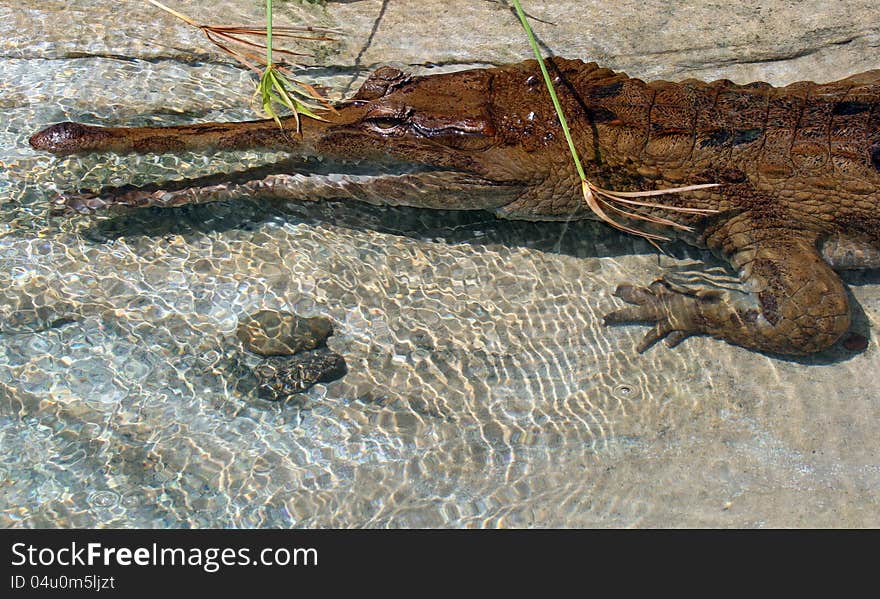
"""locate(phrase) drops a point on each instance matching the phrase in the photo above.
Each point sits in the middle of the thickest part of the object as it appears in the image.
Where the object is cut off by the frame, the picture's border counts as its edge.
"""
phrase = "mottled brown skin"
(798, 168)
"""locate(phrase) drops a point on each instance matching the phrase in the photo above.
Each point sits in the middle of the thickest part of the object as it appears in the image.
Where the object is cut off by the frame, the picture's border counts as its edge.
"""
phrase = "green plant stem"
(269, 33)
(549, 82)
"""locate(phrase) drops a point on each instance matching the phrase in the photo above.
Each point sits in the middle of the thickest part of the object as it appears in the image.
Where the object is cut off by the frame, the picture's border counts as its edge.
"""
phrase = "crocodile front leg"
(793, 302)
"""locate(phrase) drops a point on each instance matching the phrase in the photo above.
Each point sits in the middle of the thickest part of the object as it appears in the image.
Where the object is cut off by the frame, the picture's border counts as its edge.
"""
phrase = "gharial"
(797, 168)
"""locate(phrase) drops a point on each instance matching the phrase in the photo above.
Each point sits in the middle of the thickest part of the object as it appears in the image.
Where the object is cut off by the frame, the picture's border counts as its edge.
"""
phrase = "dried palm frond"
(596, 197)
(277, 83)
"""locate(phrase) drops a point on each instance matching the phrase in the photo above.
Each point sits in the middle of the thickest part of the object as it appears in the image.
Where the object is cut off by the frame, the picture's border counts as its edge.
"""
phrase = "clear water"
(482, 388)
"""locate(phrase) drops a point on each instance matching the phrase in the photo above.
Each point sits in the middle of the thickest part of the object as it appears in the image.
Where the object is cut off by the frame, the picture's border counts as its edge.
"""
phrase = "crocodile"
(796, 174)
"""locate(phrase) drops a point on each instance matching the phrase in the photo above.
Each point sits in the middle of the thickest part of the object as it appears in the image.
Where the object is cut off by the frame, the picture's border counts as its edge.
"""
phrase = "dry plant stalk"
(596, 198)
(277, 82)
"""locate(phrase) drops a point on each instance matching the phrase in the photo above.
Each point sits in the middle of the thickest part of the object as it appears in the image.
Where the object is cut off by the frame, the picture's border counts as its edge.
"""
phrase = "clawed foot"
(674, 312)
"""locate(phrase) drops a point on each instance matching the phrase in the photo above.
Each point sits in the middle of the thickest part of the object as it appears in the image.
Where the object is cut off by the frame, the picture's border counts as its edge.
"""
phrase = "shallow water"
(482, 388)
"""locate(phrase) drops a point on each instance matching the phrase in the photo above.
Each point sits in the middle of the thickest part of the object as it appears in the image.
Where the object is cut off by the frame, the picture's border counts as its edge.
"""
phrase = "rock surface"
(297, 348)
(282, 378)
(779, 41)
(273, 333)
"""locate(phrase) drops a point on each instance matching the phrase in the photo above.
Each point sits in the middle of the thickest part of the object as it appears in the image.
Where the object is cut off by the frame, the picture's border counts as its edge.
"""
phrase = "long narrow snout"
(74, 138)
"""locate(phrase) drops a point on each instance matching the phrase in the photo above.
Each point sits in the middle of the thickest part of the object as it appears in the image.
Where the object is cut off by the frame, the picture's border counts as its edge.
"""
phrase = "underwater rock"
(272, 333)
(296, 352)
(282, 377)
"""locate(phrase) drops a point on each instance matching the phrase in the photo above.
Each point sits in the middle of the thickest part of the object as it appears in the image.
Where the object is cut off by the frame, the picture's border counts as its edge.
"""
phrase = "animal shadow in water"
(580, 239)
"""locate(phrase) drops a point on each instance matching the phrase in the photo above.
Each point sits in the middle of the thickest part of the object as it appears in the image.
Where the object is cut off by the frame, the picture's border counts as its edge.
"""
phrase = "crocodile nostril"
(875, 155)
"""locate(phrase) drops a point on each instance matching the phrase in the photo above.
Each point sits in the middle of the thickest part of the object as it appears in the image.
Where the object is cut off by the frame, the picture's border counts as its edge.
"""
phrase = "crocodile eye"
(385, 124)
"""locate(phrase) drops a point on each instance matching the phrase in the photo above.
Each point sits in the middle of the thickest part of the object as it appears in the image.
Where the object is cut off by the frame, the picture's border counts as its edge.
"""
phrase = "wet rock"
(273, 333)
(282, 377)
(296, 352)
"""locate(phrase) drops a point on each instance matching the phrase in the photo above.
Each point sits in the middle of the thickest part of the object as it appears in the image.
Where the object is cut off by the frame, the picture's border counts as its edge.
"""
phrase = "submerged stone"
(273, 333)
(296, 353)
(282, 377)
